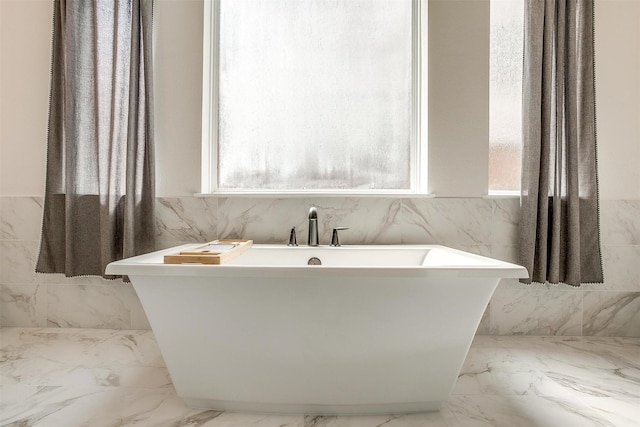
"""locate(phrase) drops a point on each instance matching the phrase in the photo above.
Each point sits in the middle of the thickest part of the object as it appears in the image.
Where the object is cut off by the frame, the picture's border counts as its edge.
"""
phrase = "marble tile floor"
(98, 377)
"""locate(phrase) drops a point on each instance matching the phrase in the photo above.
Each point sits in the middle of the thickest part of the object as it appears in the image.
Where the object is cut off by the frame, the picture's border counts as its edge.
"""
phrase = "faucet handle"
(334, 235)
(293, 241)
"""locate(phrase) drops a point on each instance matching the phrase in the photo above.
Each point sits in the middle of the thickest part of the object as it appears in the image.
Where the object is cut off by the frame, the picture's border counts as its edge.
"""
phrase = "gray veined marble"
(620, 222)
(612, 313)
(23, 305)
(20, 218)
(481, 225)
(530, 311)
(100, 377)
(18, 260)
(622, 268)
(447, 222)
(186, 219)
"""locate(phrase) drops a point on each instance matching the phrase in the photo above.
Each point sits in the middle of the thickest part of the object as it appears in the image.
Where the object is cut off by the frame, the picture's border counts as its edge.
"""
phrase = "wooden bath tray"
(216, 252)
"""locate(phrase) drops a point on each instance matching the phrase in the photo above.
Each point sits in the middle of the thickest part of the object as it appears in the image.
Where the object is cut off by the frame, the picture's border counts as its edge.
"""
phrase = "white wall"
(458, 104)
(25, 46)
(458, 97)
(618, 97)
(458, 107)
(178, 95)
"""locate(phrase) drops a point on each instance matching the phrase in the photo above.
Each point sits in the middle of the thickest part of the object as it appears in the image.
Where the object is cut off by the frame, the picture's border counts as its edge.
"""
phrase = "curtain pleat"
(559, 224)
(100, 185)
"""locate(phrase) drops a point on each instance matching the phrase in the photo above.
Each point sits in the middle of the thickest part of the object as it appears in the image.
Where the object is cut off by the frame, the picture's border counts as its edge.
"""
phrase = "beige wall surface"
(618, 97)
(25, 52)
(458, 101)
(458, 107)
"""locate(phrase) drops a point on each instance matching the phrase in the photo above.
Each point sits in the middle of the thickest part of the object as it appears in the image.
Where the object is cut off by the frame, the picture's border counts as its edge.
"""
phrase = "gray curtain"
(100, 193)
(559, 224)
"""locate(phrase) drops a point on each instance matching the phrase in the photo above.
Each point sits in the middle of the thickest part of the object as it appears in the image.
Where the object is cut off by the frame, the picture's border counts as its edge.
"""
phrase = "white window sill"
(308, 194)
(345, 194)
(502, 195)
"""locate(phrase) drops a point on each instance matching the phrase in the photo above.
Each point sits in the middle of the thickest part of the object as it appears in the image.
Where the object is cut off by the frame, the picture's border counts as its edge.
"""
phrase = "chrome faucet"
(313, 227)
(334, 236)
(293, 241)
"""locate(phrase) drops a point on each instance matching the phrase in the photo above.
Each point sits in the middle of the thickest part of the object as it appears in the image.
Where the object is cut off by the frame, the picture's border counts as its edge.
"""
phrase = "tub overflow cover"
(314, 261)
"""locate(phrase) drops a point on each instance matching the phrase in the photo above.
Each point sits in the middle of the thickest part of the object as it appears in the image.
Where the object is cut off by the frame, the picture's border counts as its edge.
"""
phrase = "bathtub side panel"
(366, 345)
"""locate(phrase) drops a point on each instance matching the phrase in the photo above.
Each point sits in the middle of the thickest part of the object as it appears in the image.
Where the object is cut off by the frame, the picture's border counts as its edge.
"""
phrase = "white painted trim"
(419, 121)
(416, 150)
(210, 65)
(423, 118)
(314, 194)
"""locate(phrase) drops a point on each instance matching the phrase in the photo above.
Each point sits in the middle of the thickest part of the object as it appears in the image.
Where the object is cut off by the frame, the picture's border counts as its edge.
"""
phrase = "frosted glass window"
(505, 95)
(315, 94)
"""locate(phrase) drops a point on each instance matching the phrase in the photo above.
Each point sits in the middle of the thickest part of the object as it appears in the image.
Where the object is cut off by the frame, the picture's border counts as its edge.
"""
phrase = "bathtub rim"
(151, 264)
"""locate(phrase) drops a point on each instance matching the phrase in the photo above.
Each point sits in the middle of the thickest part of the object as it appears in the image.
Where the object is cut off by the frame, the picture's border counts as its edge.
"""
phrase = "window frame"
(210, 98)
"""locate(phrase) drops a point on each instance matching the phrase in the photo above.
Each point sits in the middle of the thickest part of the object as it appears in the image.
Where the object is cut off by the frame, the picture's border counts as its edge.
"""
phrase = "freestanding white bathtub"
(374, 329)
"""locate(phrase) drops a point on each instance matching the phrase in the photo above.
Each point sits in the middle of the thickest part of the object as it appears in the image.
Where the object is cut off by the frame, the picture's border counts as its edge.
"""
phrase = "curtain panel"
(559, 224)
(100, 184)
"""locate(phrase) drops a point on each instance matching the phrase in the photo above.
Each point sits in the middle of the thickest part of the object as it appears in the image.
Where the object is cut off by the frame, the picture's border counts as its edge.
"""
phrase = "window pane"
(505, 99)
(314, 94)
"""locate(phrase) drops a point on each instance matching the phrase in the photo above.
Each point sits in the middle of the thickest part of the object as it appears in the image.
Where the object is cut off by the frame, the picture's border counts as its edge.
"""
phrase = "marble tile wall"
(51, 300)
(484, 226)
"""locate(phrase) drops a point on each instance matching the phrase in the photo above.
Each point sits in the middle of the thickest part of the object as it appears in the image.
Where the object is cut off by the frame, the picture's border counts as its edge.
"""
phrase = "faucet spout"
(313, 227)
